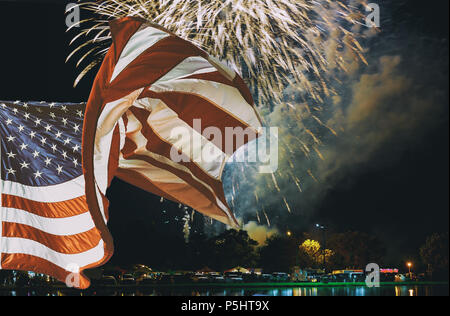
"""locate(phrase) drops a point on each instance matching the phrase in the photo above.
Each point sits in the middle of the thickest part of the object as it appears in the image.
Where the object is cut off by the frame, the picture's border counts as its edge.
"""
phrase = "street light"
(323, 228)
(409, 264)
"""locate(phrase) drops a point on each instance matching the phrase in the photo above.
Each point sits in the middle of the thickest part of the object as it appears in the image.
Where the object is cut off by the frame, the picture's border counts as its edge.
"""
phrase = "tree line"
(279, 253)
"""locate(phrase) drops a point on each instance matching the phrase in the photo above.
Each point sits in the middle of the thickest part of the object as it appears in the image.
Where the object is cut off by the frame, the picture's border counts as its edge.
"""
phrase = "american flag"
(151, 83)
(45, 226)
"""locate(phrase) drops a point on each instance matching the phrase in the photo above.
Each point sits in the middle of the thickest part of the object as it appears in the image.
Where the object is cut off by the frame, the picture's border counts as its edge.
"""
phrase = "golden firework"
(271, 43)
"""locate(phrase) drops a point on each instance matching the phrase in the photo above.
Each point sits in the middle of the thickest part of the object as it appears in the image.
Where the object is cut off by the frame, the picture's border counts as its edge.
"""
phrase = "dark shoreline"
(222, 285)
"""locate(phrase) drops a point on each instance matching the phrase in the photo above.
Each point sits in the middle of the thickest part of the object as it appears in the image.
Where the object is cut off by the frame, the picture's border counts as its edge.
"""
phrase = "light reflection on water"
(300, 291)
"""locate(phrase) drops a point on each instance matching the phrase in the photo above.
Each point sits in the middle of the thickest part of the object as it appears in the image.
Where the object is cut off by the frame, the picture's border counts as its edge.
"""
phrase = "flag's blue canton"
(41, 142)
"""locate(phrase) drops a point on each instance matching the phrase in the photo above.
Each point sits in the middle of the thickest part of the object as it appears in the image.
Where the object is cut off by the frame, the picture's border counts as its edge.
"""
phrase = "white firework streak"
(282, 49)
(271, 43)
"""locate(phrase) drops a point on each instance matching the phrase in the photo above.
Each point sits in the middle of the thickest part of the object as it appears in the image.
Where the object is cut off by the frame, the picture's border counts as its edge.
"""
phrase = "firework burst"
(273, 44)
(291, 53)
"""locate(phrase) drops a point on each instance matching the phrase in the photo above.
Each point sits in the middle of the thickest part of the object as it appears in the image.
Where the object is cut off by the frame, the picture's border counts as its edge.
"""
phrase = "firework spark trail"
(186, 227)
(275, 182)
(312, 175)
(256, 197)
(321, 123)
(257, 217)
(318, 153)
(273, 44)
(282, 48)
(287, 204)
(267, 218)
(297, 182)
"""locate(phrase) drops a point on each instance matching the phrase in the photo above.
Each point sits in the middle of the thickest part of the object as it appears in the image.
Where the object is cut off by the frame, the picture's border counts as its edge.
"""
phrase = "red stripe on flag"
(92, 113)
(63, 244)
(38, 265)
(138, 180)
(189, 194)
(186, 177)
(121, 31)
(63, 209)
(114, 154)
(157, 145)
(190, 107)
(150, 66)
(238, 83)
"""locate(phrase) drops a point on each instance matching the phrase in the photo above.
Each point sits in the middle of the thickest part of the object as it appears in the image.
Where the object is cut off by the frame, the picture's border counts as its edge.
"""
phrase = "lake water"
(419, 290)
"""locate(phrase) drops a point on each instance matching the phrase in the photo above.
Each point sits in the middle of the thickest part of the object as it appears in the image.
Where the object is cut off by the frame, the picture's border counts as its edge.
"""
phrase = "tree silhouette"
(230, 249)
(279, 254)
(434, 253)
(355, 250)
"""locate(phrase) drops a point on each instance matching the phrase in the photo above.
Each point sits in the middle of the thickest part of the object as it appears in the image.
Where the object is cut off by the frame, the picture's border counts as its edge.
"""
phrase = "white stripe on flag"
(51, 194)
(143, 39)
(153, 173)
(168, 126)
(56, 226)
(223, 96)
(100, 203)
(141, 142)
(188, 67)
(150, 172)
(64, 261)
(106, 125)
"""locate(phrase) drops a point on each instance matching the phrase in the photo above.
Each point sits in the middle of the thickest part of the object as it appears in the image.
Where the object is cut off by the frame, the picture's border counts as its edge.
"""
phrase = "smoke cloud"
(368, 125)
(372, 115)
(259, 233)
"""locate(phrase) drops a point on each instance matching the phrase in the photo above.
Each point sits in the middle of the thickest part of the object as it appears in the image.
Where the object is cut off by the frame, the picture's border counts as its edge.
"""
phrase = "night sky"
(402, 200)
